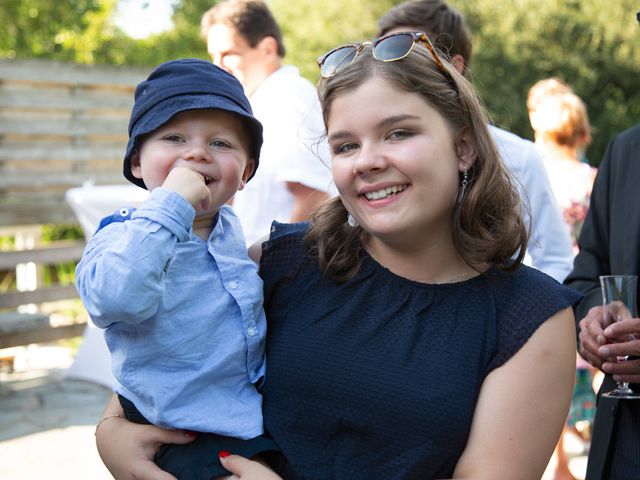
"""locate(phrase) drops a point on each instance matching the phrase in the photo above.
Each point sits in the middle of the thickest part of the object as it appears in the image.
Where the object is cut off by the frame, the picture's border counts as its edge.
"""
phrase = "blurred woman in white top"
(562, 135)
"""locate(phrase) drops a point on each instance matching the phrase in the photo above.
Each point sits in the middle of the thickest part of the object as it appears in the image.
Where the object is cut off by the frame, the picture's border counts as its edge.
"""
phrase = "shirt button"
(251, 331)
(233, 284)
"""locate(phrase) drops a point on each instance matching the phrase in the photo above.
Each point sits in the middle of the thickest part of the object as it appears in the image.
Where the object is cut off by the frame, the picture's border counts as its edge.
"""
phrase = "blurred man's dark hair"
(252, 19)
(445, 26)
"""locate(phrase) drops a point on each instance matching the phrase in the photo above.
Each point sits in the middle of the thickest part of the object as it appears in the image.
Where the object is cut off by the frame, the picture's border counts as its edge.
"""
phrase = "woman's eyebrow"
(395, 119)
(384, 123)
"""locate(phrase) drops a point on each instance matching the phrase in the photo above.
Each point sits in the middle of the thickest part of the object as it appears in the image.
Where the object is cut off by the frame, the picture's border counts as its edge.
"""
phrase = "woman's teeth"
(207, 180)
(385, 192)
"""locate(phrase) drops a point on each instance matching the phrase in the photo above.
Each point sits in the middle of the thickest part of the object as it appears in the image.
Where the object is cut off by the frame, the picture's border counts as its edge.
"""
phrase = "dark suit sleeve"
(593, 259)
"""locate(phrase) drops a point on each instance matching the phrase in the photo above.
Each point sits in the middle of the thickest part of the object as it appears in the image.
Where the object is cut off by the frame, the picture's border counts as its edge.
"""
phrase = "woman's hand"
(245, 469)
(127, 449)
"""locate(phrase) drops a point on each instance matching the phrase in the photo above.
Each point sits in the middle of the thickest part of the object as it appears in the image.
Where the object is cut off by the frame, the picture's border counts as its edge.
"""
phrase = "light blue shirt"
(183, 317)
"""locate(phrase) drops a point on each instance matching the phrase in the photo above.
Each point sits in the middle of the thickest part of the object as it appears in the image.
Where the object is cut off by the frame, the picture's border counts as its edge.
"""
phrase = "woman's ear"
(136, 170)
(466, 150)
(459, 63)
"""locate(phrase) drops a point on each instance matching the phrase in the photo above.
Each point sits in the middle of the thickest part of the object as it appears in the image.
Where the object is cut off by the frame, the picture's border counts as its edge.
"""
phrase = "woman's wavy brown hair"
(488, 225)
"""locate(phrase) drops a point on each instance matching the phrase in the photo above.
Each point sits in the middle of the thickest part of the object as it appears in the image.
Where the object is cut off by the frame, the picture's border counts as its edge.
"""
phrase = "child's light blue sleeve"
(120, 277)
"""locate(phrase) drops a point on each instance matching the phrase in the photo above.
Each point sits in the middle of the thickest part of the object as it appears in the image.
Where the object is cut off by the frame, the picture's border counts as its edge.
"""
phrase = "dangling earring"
(351, 221)
(463, 185)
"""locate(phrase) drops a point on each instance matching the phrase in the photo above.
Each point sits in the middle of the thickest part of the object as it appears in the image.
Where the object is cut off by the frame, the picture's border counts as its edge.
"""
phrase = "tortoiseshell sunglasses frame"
(356, 48)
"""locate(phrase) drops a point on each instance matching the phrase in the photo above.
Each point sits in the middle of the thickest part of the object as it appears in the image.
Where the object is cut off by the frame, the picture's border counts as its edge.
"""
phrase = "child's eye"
(220, 143)
(173, 138)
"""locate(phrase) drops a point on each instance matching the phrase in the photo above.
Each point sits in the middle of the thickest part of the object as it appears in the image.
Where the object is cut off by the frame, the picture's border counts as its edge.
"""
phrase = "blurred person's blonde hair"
(543, 88)
(562, 119)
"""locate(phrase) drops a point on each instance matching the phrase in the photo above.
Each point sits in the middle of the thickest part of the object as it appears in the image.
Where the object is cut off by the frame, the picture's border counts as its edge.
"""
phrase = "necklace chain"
(459, 277)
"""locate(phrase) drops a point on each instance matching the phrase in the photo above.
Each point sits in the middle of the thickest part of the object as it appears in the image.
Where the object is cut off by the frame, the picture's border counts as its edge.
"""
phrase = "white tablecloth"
(90, 205)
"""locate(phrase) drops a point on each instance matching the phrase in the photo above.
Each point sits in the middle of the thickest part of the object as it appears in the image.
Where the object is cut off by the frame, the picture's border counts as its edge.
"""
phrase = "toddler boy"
(171, 281)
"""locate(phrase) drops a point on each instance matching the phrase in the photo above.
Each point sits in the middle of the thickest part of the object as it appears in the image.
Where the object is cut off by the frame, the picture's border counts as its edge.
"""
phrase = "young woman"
(405, 339)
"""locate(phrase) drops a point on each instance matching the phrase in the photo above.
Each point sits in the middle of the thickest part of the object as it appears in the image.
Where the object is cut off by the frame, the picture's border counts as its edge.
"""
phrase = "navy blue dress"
(378, 378)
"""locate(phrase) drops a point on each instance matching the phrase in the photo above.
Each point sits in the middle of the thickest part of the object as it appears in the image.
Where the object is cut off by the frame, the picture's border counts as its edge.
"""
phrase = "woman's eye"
(345, 147)
(398, 134)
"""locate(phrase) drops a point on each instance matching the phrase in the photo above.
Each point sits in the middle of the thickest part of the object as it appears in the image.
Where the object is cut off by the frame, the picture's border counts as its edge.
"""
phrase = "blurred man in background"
(294, 176)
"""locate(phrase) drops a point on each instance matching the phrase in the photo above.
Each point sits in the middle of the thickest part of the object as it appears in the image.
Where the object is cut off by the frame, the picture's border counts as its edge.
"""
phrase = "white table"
(90, 205)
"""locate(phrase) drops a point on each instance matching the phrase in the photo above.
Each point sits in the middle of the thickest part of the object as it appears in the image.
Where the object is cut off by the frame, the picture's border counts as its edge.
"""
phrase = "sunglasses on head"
(389, 48)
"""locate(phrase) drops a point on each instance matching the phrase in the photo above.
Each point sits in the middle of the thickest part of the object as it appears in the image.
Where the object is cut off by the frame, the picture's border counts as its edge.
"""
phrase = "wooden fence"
(61, 125)
(20, 327)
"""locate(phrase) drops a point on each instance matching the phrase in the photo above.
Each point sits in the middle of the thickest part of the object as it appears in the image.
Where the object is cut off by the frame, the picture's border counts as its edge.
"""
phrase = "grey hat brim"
(166, 109)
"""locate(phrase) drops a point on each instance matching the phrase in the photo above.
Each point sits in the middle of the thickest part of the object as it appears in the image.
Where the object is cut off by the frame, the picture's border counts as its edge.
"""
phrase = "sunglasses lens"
(336, 60)
(394, 47)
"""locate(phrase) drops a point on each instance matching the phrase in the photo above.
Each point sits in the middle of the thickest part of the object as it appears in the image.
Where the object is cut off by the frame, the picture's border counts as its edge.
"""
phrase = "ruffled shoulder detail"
(524, 301)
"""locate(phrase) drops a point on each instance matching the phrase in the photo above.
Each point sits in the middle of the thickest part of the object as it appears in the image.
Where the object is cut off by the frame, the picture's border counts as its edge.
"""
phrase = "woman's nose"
(369, 160)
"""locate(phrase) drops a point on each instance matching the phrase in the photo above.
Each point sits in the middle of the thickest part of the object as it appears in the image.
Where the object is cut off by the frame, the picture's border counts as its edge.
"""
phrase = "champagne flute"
(619, 300)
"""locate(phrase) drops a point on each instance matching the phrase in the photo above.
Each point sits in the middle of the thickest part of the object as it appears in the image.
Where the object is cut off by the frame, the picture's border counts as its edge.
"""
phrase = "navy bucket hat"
(187, 84)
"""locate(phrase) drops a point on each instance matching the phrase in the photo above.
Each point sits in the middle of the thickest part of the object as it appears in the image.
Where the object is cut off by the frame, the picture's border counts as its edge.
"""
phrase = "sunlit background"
(141, 18)
(591, 44)
(596, 50)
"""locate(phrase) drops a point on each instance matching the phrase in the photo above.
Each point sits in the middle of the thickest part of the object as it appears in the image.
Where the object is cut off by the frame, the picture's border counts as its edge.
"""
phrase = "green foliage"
(7, 242)
(60, 273)
(82, 31)
(56, 232)
(595, 51)
(598, 54)
(311, 28)
(595, 47)
(182, 41)
(68, 30)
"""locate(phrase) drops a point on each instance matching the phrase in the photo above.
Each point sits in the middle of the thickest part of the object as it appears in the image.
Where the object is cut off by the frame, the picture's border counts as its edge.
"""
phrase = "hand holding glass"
(619, 300)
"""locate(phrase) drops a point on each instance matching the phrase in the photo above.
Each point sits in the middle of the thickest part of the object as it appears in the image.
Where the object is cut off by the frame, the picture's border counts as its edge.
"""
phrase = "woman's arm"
(523, 406)
(255, 249)
(127, 449)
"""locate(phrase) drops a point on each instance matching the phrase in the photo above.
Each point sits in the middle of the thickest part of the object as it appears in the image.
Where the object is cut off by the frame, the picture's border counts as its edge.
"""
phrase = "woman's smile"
(385, 192)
